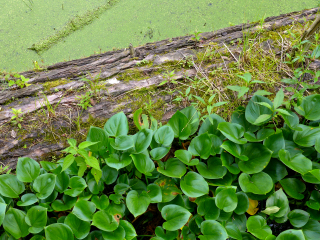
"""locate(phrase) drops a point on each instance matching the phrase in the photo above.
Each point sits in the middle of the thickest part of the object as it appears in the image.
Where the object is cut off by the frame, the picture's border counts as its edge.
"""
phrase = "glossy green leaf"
(105, 221)
(226, 199)
(293, 187)
(98, 135)
(259, 183)
(212, 230)
(44, 185)
(58, 231)
(27, 169)
(109, 175)
(159, 153)
(210, 125)
(208, 208)
(117, 125)
(119, 161)
(233, 231)
(36, 218)
(168, 188)
(176, 217)
(261, 135)
(307, 137)
(193, 117)
(186, 157)
(311, 230)
(173, 167)
(280, 200)
(143, 162)
(122, 143)
(142, 140)
(180, 125)
(77, 185)
(194, 185)
(164, 135)
(199, 146)
(154, 192)
(137, 203)
(238, 116)
(258, 227)
(275, 143)
(243, 203)
(84, 210)
(276, 170)
(79, 227)
(3, 208)
(213, 169)
(101, 202)
(310, 107)
(234, 149)
(298, 162)
(233, 131)
(65, 204)
(254, 110)
(14, 223)
(227, 161)
(292, 121)
(298, 218)
(117, 234)
(10, 186)
(129, 229)
(291, 235)
(314, 200)
(62, 182)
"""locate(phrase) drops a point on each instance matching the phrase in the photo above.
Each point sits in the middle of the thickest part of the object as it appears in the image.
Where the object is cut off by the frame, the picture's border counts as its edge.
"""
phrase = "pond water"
(27, 22)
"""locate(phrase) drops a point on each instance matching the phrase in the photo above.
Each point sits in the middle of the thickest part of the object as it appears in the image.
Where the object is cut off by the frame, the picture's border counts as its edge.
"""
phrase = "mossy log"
(51, 114)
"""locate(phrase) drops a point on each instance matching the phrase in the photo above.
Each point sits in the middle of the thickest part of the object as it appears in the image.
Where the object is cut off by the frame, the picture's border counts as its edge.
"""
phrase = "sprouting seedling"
(16, 119)
(196, 36)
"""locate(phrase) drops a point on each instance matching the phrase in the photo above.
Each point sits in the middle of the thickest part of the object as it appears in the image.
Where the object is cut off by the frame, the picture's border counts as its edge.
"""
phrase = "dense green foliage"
(201, 177)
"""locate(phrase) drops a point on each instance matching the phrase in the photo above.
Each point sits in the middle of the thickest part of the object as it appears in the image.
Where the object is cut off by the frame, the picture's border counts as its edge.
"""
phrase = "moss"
(51, 84)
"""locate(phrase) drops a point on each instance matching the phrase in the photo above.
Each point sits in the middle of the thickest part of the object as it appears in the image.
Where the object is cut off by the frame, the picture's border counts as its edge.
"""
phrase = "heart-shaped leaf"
(275, 143)
(122, 143)
(84, 210)
(58, 231)
(233, 131)
(310, 107)
(168, 188)
(137, 203)
(180, 125)
(280, 200)
(213, 169)
(10, 186)
(255, 110)
(27, 169)
(243, 203)
(119, 161)
(226, 198)
(258, 227)
(291, 234)
(62, 182)
(79, 227)
(259, 183)
(98, 135)
(44, 185)
(117, 125)
(298, 162)
(77, 185)
(14, 223)
(105, 221)
(298, 218)
(154, 192)
(27, 200)
(143, 163)
(207, 207)
(176, 217)
(186, 157)
(293, 187)
(307, 137)
(67, 203)
(36, 218)
(199, 146)
(212, 229)
(159, 152)
(109, 175)
(194, 185)
(173, 167)
(164, 135)
(129, 229)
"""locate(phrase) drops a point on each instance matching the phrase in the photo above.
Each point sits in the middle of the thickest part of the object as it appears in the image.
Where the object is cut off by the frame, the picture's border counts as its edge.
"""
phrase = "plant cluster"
(206, 180)
(21, 81)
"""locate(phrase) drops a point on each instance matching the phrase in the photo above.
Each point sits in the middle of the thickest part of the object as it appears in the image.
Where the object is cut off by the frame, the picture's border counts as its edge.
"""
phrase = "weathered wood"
(111, 64)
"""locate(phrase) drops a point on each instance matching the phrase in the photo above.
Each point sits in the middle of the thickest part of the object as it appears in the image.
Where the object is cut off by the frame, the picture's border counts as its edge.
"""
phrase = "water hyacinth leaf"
(280, 200)
(193, 116)
(58, 231)
(227, 161)
(27, 200)
(168, 188)
(243, 203)
(180, 125)
(291, 234)
(154, 192)
(186, 157)
(233, 131)
(307, 137)
(256, 111)
(122, 143)
(164, 135)
(293, 187)
(275, 143)
(298, 162)
(208, 208)
(311, 230)
(212, 229)
(258, 158)
(258, 227)
(67, 203)
(101, 202)
(173, 167)
(159, 153)
(262, 134)
(210, 125)
(117, 234)
(79, 227)
(62, 182)
(109, 175)
(14, 223)
(98, 135)
(298, 218)
(292, 121)
(44, 185)
(77, 185)
(27, 169)
(129, 229)
(213, 169)
(199, 146)
(310, 107)
(142, 140)
(119, 161)
(276, 170)
(84, 210)
(194, 185)
(10, 186)
(259, 183)
(117, 125)
(137, 203)
(234, 149)
(226, 199)
(143, 163)
(176, 217)
(105, 221)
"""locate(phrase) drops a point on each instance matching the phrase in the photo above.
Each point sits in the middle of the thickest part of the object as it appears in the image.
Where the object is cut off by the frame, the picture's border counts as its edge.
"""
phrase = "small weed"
(4, 169)
(17, 118)
(197, 36)
(84, 100)
(21, 82)
(142, 63)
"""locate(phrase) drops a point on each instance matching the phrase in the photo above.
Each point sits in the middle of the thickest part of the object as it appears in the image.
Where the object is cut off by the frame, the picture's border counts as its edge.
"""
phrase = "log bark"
(34, 99)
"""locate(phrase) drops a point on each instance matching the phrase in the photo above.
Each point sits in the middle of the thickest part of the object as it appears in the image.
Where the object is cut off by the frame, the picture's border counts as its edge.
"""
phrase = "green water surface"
(25, 22)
